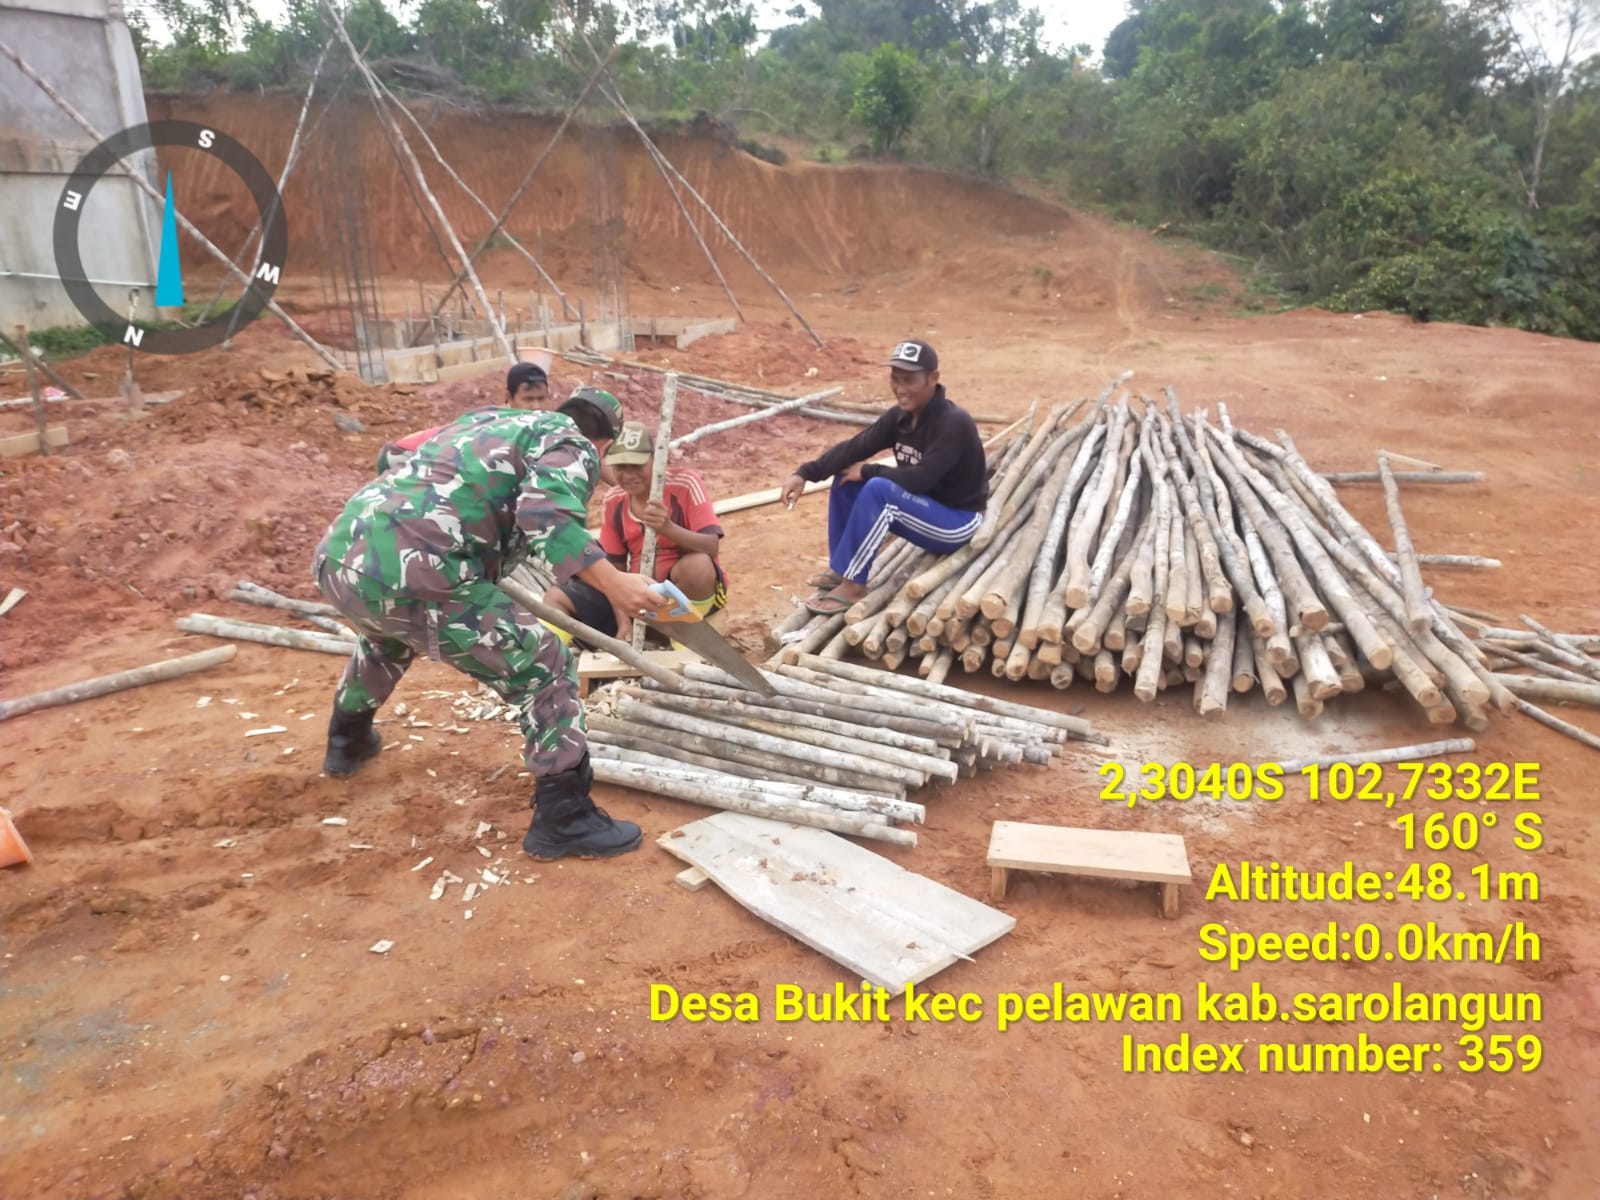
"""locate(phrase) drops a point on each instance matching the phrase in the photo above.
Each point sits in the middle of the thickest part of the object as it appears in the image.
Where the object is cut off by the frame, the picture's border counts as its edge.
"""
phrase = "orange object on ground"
(13, 849)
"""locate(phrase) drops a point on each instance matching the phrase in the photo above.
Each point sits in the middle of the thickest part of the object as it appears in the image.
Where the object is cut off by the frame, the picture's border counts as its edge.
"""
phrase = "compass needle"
(169, 277)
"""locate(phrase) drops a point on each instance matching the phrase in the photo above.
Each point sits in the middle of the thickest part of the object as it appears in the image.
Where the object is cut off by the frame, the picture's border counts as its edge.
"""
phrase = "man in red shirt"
(688, 536)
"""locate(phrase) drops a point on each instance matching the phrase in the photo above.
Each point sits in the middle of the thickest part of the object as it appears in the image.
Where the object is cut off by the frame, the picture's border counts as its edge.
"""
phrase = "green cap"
(634, 447)
(607, 404)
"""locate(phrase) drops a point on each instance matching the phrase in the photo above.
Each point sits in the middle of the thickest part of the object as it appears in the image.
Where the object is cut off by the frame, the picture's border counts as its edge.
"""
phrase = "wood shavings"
(336, 820)
(483, 828)
(382, 947)
(202, 702)
(225, 844)
(467, 916)
(266, 730)
(484, 850)
(423, 863)
(472, 890)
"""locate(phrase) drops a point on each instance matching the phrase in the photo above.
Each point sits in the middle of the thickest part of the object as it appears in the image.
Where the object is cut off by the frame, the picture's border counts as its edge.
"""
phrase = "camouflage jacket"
(491, 489)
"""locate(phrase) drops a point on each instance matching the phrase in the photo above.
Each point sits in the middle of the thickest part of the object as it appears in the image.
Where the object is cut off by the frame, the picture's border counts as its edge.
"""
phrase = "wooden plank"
(691, 879)
(18, 444)
(735, 504)
(1106, 853)
(888, 925)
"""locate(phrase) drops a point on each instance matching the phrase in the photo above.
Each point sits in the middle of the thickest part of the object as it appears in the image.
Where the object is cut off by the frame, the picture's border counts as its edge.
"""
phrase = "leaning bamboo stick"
(1418, 617)
(1406, 477)
(1556, 723)
(1559, 691)
(1397, 754)
(104, 685)
(1085, 522)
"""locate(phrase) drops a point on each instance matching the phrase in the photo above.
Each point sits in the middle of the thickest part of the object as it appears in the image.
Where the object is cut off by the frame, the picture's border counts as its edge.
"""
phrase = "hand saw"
(682, 624)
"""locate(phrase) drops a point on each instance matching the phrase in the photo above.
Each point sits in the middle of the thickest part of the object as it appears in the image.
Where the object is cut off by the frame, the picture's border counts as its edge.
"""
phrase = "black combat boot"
(566, 821)
(351, 741)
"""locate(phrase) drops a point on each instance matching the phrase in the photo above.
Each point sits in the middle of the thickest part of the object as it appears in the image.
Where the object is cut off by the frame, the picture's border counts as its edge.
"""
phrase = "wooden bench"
(1107, 853)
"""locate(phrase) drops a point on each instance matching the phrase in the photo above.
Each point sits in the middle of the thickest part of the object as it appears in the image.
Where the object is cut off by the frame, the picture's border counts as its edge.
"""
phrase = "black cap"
(914, 356)
(524, 372)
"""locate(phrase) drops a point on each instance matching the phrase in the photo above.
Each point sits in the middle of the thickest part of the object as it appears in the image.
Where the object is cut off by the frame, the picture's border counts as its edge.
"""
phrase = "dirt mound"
(816, 228)
(301, 397)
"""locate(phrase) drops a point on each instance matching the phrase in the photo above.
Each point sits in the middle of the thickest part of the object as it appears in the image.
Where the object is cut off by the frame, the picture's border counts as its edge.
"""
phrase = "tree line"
(1433, 157)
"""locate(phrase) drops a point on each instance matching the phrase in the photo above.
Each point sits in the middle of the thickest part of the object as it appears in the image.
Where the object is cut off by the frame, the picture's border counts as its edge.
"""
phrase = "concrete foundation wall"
(83, 49)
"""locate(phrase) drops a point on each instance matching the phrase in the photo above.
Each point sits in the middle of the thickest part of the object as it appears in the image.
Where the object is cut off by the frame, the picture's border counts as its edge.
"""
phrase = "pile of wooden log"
(1131, 543)
(839, 747)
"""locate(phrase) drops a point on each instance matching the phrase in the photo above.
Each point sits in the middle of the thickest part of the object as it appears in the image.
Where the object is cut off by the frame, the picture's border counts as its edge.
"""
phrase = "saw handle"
(680, 610)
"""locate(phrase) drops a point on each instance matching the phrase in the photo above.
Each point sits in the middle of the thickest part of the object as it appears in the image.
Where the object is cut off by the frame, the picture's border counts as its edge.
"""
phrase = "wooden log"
(1299, 594)
(1559, 691)
(1553, 647)
(593, 637)
(1589, 643)
(1418, 616)
(637, 711)
(1020, 470)
(1272, 686)
(1244, 662)
(740, 795)
(1316, 668)
(40, 420)
(1475, 561)
(628, 738)
(104, 685)
(254, 593)
(1346, 477)
(1543, 667)
(1093, 630)
(777, 766)
(1008, 592)
(750, 418)
(1214, 579)
(797, 620)
(1119, 509)
(1556, 723)
(1041, 594)
(1076, 727)
(1230, 549)
(1085, 521)
(939, 666)
(267, 635)
(938, 727)
(770, 720)
(1309, 706)
(843, 799)
(658, 482)
(1396, 754)
(817, 638)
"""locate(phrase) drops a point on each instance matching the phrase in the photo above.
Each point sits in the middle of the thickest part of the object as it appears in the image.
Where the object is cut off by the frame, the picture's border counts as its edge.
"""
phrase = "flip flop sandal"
(826, 580)
(829, 604)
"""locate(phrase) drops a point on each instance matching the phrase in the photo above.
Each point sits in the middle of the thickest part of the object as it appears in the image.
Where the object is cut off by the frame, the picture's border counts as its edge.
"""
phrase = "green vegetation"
(1434, 157)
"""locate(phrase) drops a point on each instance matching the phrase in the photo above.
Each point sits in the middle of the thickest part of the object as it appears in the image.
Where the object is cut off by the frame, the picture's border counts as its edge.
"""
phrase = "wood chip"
(483, 828)
(268, 729)
(423, 863)
(472, 890)
(484, 850)
(336, 820)
(382, 947)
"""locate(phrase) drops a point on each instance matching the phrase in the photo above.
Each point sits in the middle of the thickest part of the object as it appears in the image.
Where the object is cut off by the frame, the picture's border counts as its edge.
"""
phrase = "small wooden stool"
(1107, 853)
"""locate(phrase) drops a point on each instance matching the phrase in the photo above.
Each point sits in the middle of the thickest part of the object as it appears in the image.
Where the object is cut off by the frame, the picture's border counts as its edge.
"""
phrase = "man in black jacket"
(933, 496)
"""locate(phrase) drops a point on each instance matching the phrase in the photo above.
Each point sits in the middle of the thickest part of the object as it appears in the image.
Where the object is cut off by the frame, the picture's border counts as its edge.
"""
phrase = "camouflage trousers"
(478, 630)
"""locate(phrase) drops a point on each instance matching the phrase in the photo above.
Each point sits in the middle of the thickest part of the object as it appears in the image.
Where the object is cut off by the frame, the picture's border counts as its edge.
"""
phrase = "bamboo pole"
(267, 635)
(1559, 691)
(103, 685)
(1556, 723)
(658, 482)
(1341, 477)
(1418, 618)
(749, 418)
(1397, 754)
(623, 650)
(610, 91)
(253, 593)
(521, 190)
(378, 90)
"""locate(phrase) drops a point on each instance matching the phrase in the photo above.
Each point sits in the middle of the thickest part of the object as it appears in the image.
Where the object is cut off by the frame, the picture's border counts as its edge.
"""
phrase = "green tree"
(889, 96)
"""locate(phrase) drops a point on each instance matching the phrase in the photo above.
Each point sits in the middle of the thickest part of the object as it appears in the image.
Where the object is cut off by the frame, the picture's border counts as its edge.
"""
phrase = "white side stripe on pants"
(892, 513)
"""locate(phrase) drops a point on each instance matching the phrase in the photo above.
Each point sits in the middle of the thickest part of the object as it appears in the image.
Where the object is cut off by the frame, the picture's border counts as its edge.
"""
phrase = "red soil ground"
(188, 1018)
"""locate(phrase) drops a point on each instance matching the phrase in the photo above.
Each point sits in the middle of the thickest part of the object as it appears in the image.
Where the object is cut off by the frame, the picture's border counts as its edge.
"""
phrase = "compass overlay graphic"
(70, 231)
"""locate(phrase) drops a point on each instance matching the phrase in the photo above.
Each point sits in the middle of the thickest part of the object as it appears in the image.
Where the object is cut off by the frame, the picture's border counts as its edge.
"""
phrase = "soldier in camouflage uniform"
(412, 563)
